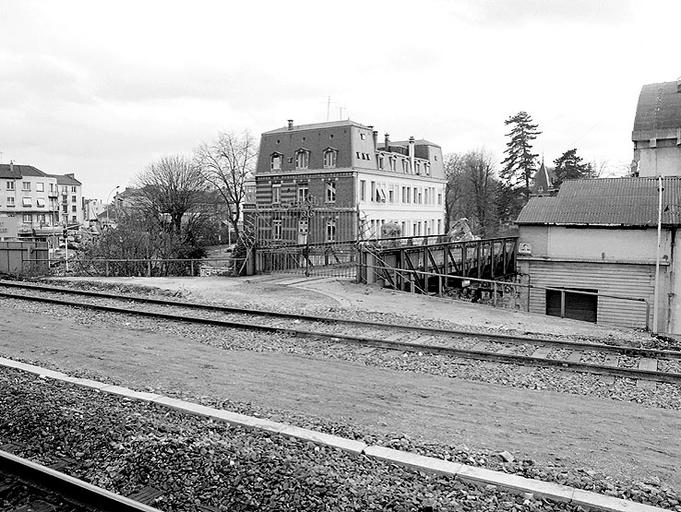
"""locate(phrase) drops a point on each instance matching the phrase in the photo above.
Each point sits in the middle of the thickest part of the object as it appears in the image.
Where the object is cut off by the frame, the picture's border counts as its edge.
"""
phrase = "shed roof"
(659, 108)
(607, 202)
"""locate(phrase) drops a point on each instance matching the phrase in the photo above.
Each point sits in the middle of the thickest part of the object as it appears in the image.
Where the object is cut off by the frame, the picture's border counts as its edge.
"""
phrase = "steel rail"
(635, 373)
(69, 488)
(493, 337)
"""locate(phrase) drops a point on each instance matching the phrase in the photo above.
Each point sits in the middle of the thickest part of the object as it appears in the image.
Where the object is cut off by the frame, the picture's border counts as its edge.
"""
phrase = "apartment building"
(355, 183)
(34, 198)
(70, 198)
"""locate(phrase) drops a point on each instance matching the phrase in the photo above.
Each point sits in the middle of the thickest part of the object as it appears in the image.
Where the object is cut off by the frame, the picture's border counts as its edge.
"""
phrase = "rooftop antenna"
(340, 113)
(328, 108)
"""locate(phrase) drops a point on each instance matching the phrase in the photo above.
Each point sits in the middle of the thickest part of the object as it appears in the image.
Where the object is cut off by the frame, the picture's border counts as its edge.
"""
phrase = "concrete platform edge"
(472, 474)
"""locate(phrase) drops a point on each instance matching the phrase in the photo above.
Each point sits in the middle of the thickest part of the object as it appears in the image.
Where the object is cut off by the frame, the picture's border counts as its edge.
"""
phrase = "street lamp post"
(107, 202)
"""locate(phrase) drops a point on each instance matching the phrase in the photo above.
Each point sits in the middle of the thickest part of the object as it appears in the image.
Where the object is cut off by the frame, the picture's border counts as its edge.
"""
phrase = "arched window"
(275, 162)
(330, 155)
(302, 159)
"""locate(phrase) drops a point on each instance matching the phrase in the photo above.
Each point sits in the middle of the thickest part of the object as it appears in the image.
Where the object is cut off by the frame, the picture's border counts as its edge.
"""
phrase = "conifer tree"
(570, 166)
(520, 163)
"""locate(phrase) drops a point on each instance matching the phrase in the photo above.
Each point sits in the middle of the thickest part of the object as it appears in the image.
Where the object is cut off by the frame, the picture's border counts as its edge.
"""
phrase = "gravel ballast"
(666, 396)
(649, 491)
(124, 445)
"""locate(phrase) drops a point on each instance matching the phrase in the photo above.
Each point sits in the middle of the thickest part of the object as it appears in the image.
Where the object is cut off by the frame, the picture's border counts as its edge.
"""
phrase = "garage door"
(578, 306)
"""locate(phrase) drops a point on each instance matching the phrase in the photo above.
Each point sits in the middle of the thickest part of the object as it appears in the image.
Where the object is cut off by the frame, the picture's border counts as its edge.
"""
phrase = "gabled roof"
(315, 126)
(607, 202)
(658, 109)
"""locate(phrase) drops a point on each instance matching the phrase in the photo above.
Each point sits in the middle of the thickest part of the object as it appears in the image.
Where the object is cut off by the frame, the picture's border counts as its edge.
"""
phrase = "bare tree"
(171, 186)
(472, 187)
(226, 164)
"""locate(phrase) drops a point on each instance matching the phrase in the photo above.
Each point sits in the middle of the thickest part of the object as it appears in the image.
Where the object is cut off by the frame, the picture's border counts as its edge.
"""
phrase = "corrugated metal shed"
(607, 202)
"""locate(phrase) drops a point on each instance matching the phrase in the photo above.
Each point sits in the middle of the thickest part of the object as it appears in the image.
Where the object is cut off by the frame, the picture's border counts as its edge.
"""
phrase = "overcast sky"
(103, 88)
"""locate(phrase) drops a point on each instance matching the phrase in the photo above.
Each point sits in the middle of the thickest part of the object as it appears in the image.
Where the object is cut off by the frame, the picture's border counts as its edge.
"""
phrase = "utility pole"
(656, 300)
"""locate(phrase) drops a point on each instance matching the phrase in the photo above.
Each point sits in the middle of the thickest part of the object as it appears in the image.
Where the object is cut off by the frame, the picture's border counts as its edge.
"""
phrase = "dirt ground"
(295, 292)
(622, 439)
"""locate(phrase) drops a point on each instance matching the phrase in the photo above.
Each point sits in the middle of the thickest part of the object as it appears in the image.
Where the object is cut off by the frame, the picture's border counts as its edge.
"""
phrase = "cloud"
(514, 12)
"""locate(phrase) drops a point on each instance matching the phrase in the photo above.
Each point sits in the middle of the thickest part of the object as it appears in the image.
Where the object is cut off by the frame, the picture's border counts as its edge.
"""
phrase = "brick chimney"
(411, 153)
(290, 124)
(387, 142)
(375, 134)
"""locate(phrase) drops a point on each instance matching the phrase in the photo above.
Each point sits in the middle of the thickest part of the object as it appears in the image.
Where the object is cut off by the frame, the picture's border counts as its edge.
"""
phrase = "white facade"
(32, 200)
(414, 203)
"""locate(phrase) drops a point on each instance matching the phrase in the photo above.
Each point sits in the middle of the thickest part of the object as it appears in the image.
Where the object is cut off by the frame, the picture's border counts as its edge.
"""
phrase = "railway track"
(26, 486)
(643, 364)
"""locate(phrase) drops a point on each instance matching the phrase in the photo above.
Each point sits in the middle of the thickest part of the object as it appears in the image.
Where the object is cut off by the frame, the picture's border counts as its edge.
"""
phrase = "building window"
(426, 167)
(27, 218)
(73, 199)
(418, 167)
(331, 230)
(275, 162)
(373, 191)
(276, 229)
(362, 190)
(393, 163)
(416, 197)
(74, 209)
(420, 197)
(380, 162)
(73, 190)
(331, 192)
(405, 166)
(362, 136)
(26, 201)
(330, 158)
(302, 159)
(303, 193)
(51, 187)
(26, 185)
(439, 226)
(439, 198)
(65, 208)
(41, 218)
(40, 202)
(391, 196)
(276, 193)
(40, 187)
(74, 219)
(10, 202)
(10, 185)
(408, 194)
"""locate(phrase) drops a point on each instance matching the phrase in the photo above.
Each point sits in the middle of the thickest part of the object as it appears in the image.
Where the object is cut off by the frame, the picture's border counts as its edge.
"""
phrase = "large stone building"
(657, 130)
(354, 183)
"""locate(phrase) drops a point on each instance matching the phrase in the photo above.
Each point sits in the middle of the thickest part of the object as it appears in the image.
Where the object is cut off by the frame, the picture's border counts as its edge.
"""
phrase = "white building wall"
(34, 201)
(416, 204)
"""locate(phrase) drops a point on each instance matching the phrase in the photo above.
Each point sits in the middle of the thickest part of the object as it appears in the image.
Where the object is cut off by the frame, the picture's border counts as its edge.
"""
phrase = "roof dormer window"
(330, 158)
(302, 159)
(275, 161)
